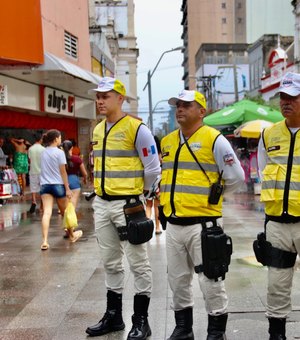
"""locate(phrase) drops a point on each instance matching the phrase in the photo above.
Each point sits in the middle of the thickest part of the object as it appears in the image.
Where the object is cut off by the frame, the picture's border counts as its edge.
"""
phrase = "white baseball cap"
(188, 96)
(110, 84)
(290, 84)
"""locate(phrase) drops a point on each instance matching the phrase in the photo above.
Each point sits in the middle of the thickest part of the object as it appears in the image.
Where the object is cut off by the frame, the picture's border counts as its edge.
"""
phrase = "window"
(223, 20)
(223, 4)
(239, 5)
(239, 20)
(71, 45)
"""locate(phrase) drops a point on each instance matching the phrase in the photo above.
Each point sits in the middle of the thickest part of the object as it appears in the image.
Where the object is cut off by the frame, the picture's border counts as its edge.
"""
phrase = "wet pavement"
(57, 293)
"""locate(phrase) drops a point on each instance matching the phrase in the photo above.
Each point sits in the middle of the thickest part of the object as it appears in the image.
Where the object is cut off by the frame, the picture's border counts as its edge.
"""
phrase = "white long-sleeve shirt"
(147, 150)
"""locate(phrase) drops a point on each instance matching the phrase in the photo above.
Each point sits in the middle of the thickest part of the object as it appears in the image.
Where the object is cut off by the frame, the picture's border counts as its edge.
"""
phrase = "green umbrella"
(242, 112)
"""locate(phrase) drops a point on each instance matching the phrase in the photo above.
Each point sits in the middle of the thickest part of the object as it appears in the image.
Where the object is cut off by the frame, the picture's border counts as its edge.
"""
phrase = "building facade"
(209, 22)
(45, 69)
(230, 21)
(222, 73)
(113, 41)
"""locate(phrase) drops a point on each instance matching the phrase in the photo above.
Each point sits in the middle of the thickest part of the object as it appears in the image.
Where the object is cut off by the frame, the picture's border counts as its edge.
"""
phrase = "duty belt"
(192, 220)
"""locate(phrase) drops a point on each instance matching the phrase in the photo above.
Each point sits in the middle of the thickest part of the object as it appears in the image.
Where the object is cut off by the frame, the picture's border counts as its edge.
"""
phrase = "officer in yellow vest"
(278, 160)
(195, 159)
(126, 164)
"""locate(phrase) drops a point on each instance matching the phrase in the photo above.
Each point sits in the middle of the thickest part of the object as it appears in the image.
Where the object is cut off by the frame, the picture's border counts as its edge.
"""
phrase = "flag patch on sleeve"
(149, 151)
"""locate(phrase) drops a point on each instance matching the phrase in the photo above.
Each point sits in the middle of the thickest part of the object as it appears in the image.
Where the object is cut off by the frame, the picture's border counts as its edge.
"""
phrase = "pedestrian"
(20, 161)
(34, 156)
(91, 163)
(278, 154)
(54, 183)
(126, 164)
(3, 156)
(197, 161)
(76, 149)
(153, 202)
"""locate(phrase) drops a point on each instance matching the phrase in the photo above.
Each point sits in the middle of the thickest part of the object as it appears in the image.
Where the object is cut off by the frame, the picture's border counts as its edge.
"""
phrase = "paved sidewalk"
(56, 294)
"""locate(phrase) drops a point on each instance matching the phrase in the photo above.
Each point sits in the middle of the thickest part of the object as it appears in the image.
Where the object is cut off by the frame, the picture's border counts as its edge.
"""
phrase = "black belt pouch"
(139, 227)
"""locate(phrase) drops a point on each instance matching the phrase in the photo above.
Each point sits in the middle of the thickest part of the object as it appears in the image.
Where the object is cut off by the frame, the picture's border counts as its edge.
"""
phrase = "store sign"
(59, 102)
(3, 94)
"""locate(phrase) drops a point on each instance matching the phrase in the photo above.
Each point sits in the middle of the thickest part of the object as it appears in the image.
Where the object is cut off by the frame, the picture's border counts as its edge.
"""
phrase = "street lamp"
(153, 110)
(150, 74)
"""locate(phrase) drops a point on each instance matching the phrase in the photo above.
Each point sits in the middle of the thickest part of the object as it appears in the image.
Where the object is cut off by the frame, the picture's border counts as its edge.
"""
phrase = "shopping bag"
(70, 217)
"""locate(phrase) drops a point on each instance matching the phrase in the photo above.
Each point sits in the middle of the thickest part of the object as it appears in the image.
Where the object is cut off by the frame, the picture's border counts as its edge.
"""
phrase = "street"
(56, 294)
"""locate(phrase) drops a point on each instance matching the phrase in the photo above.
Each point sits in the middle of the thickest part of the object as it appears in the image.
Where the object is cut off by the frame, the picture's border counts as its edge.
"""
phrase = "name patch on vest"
(274, 148)
(195, 146)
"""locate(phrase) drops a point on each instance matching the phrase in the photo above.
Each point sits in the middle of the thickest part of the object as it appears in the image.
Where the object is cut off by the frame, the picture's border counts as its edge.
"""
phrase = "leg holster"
(270, 256)
(216, 252)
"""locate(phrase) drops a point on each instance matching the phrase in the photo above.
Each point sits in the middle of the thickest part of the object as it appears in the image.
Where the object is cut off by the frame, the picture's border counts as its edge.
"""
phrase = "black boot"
(112, 320)
(277, 329)
(184, 324)
(216, 327)
(140, 327)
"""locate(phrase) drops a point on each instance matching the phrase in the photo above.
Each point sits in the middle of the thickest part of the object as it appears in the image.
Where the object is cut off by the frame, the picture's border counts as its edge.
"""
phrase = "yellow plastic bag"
(70, 217)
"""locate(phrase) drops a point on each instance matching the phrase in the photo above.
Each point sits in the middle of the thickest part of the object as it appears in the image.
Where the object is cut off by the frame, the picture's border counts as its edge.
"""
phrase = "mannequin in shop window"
(20, 160)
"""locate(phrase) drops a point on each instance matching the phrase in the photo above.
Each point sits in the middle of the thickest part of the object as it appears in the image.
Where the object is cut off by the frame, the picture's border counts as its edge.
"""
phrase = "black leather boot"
(277, 329)
(184, 325)
(112, 320)
(140, 327)
(217, 327)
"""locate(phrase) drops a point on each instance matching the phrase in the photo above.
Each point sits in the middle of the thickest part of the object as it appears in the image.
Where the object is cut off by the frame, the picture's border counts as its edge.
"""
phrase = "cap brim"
(92, 91)
(173, 101)
(291, 92)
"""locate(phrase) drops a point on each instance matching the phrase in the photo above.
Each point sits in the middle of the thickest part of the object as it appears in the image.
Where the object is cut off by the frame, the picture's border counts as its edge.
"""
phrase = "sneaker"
(32, 208)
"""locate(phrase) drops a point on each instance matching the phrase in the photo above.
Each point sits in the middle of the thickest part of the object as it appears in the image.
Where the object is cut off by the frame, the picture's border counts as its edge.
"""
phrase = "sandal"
(76, 235)
(45, 246)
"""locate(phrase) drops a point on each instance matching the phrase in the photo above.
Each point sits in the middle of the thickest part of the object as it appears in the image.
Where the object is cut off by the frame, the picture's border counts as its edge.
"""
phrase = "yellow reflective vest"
(281, 176)
(118, 170)
(184, 186)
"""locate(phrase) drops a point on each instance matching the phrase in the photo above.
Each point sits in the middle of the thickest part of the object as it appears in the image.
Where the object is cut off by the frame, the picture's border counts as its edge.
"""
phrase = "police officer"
(194, 157)
(126, 164)
(278, 157)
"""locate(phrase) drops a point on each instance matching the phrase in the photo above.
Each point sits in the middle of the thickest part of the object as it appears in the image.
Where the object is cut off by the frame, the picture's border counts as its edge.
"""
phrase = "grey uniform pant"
(108, 216)
(183, 254)
(286, 237)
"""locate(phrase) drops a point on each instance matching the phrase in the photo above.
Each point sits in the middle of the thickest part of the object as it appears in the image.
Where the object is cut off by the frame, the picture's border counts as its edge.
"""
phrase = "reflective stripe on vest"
(184, 186)
(281, 176)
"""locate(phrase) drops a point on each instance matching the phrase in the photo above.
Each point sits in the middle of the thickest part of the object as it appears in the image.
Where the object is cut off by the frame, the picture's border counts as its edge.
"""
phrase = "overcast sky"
(158, 29)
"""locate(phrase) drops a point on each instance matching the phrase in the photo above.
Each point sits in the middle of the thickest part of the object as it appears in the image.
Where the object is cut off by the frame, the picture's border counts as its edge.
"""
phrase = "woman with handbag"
(54, 184)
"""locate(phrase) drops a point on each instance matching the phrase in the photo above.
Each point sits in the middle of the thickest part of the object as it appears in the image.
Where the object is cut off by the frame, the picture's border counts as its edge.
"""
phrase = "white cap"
(110, 84)
(290, 84)
(188, 96)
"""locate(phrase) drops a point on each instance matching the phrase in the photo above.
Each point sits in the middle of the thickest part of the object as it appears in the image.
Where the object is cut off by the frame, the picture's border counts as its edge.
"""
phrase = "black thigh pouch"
(139, 227)
(270, 256)
(216, 252)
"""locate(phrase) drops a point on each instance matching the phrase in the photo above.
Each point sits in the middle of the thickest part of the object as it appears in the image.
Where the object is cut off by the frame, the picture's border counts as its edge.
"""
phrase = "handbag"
(70, 217)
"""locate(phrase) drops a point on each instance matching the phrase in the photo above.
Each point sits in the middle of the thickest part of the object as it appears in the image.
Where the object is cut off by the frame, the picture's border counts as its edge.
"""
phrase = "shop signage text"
(59, 102)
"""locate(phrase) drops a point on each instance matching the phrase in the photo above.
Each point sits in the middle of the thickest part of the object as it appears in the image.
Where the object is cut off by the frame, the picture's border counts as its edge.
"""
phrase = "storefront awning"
(57, 73)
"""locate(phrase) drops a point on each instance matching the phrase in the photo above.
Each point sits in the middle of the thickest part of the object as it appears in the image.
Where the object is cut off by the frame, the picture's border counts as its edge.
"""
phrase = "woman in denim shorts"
(54, 183)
